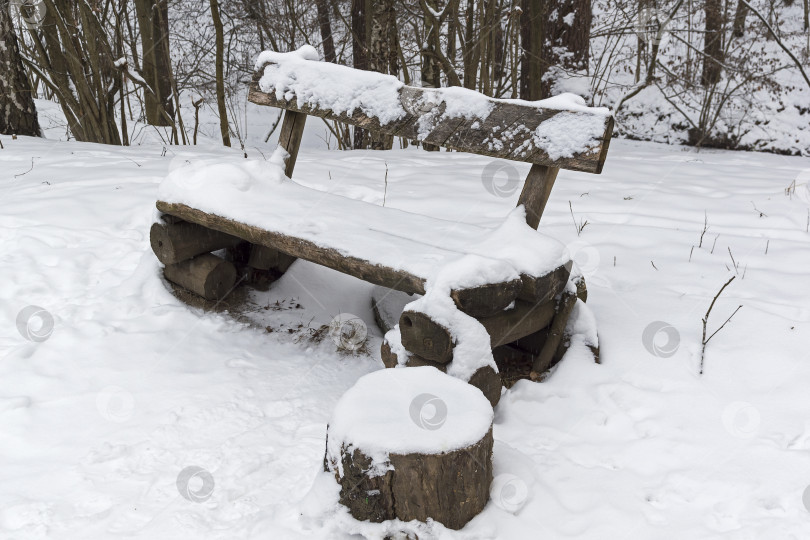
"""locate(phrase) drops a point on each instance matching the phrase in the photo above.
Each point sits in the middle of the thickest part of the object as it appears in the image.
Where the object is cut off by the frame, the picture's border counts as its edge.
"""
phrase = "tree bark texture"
(359, 24)
(739, 19)
(224, 128)
(325, 25)
(382, 54)
(449, 487)
(567, 37)
(18, 114)
(153, 20)
(713, 43)
(532, 36)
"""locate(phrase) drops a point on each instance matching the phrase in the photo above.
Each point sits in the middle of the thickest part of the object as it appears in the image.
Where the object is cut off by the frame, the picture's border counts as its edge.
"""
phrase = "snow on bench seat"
(560, 131)
(255, 201)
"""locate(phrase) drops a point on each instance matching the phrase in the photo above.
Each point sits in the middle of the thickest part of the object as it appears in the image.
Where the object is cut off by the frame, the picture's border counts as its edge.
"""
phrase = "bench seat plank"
(385, 246)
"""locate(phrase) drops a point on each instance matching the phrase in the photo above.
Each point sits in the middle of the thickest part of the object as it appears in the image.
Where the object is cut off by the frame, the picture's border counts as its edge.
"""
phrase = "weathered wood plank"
(304, 249)
(478, 300)
(507, 132)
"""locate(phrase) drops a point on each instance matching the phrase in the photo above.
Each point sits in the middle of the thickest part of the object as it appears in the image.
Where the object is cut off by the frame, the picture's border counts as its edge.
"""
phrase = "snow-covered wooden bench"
(512, 279)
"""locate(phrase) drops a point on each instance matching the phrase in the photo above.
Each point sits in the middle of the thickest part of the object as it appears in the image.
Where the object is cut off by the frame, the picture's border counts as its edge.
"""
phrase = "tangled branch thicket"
(707, 73)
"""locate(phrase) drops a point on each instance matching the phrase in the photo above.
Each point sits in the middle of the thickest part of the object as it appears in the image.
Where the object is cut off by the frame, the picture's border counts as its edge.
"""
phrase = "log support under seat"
(179, 241)
(267, 258)
(206, 275)
(426, 338)
(556, 331)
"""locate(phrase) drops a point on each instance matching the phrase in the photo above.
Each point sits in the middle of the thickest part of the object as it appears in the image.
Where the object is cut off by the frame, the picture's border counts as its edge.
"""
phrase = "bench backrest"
(560, 132)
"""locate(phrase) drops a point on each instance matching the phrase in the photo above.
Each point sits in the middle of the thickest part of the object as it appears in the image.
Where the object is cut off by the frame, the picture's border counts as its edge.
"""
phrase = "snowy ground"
(131, 387)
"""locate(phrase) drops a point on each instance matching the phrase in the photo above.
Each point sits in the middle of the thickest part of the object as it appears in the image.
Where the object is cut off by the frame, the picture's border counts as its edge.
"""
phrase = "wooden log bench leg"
(546, 356)
(265, 265)
(184, 248)
(206, 275)
(428, 339)
(180, 241)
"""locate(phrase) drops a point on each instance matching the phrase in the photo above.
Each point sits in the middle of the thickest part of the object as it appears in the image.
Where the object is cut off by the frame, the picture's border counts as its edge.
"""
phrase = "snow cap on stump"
(412, 443)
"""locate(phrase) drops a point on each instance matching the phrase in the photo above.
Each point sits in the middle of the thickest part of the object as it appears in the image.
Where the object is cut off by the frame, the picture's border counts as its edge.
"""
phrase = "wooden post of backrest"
(536, 191)
(292, 130)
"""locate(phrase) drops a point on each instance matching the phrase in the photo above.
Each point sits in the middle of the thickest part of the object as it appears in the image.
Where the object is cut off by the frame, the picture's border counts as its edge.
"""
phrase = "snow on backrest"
(560, 131)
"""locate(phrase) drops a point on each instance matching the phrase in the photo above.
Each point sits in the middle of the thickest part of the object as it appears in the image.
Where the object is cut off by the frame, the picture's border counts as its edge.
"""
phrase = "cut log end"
(177, 242)
(486, 300)
(208, 276)
(425, 337)
(540, 290)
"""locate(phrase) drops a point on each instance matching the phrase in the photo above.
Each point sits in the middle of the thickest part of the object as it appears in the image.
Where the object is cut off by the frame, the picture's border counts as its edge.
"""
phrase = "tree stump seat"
(411, 444)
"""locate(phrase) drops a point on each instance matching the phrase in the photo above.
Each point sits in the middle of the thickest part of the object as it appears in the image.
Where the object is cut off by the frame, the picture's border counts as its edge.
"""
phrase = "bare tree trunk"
(18, 114)
(430, 73)
(568, 37)
(471, 47)
(497, 46)
(739, 20)
(381, 46)
(712, 44)
(224, 128)
(532, 35)
(325, 25)
(452, 32)
(153, 21)
(360, 56)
